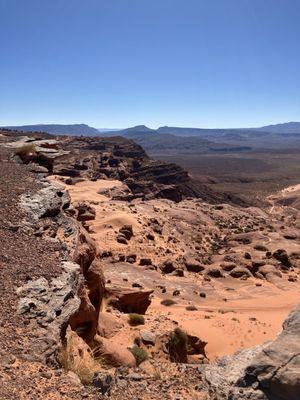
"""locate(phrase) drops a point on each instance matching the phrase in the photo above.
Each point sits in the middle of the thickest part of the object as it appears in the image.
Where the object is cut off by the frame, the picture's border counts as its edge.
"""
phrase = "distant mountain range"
(83, 129)
(285, 128)
(187, 140)
(196, 140)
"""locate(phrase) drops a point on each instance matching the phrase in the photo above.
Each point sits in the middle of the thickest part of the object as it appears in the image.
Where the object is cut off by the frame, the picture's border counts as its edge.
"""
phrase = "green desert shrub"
(179, 338)
(139, 354)
(178, 345)
(136, 319)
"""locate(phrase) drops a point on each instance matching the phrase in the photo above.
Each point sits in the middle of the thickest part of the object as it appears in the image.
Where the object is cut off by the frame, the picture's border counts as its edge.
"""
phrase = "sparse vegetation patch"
(26, 151)
(139, 354)
(84, 365)
(178, 345)
(136, 319)
(168, 302)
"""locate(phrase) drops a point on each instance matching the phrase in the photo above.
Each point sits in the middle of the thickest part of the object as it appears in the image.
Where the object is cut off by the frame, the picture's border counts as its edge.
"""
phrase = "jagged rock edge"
(41, 299)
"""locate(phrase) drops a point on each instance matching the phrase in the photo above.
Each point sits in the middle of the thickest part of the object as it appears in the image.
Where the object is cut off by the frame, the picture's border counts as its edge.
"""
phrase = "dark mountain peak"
(139, 128)
(133, 131)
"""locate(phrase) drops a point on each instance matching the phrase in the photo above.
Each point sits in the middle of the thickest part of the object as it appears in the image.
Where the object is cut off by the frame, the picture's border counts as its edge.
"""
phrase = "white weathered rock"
(148, 337)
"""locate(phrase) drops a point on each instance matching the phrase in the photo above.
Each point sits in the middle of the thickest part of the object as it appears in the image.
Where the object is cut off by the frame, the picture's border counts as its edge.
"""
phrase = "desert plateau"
(120, 274)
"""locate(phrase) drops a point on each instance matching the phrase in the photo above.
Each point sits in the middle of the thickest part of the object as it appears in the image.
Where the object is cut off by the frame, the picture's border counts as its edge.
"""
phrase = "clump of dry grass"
(178, 339)
(83, 363)
(26, 150)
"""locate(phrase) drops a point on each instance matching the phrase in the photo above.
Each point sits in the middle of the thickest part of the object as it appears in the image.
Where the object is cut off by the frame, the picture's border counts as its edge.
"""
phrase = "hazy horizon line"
(147, 125)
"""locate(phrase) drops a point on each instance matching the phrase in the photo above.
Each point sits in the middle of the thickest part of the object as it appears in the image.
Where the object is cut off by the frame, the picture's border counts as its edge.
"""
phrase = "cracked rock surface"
(51, 304)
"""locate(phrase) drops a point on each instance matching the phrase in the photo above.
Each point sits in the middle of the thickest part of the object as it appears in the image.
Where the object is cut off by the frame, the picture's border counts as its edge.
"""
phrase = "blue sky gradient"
(118, 63)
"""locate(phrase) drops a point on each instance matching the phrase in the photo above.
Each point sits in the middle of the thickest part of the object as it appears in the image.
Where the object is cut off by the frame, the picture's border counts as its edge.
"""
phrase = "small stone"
(126, 231)
(134, 377)
(121, 239)
(131, 258)
(102, 381)
(178, 272)
(214, 272)
(239, 272)
(148, 337)
(167, 267)
(255, 385)
(46, 374)
(150, 236)
(137, 285)
(145, 261)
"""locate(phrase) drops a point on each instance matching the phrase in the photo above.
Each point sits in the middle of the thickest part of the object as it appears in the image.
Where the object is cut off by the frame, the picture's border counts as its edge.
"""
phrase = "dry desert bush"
(26, 150)
(83, 363)
(136, 319)
(168, 302)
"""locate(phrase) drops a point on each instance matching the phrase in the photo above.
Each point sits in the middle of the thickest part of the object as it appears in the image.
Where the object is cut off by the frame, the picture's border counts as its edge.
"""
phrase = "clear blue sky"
(118, 63)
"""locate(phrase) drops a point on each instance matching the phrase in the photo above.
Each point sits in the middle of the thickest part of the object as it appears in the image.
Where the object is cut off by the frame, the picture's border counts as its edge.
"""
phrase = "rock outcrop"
(129, 300)
(47, 202)
(267, 372)
(74, 298)
(51, 305)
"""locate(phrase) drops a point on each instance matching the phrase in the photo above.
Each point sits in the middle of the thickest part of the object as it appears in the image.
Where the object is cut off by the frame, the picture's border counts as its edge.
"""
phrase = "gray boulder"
(148, 337)
(49, 201)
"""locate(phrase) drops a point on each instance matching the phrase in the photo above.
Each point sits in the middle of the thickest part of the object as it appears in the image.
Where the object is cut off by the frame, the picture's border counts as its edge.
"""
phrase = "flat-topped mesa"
(94, 158)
